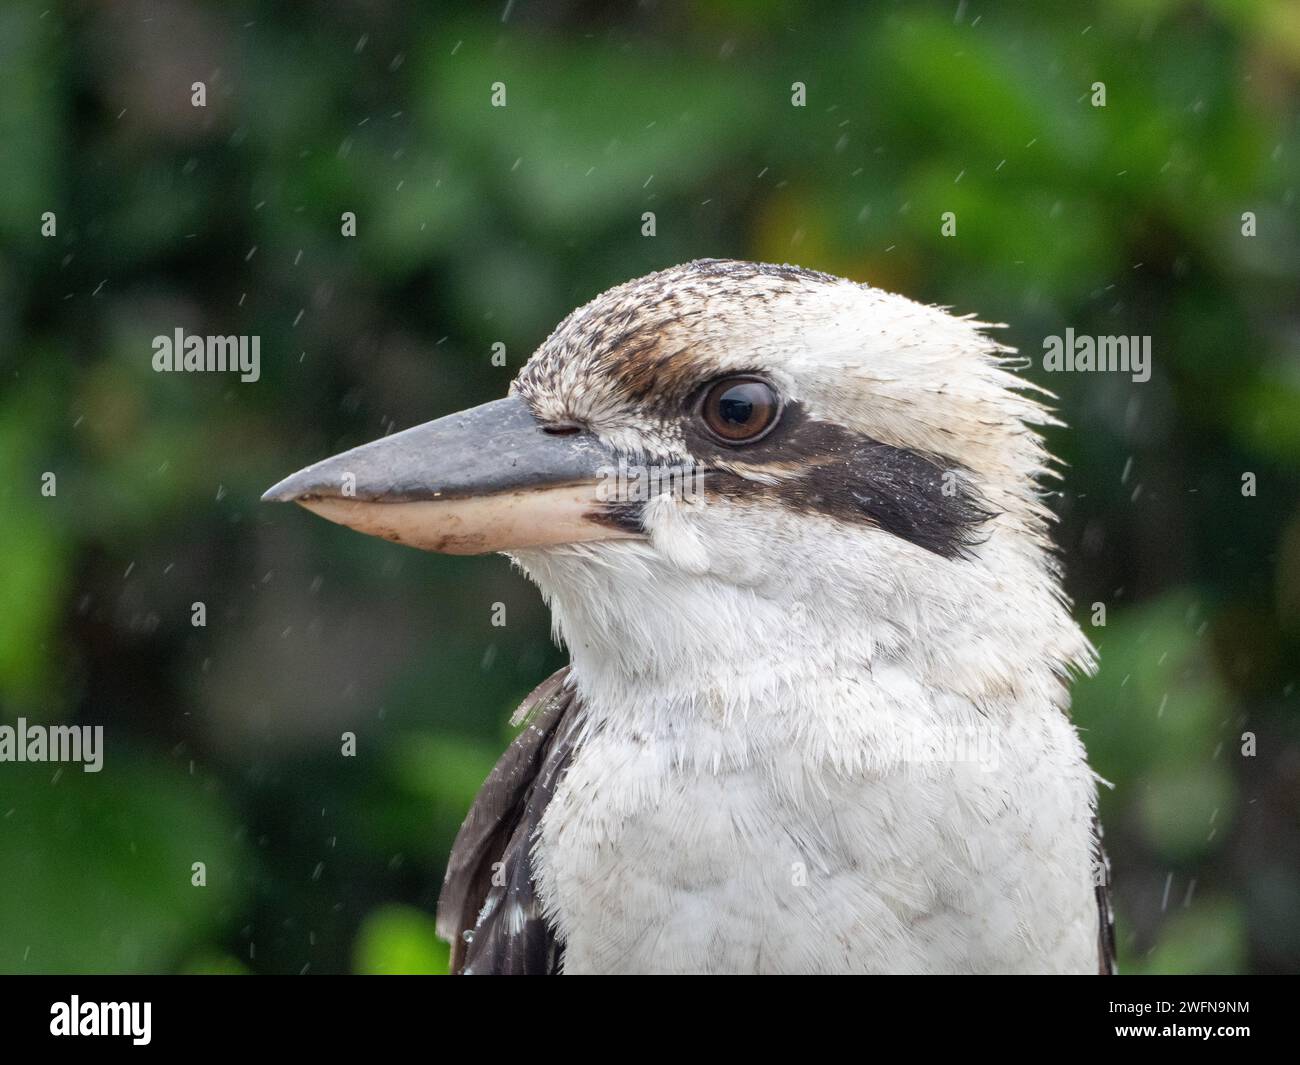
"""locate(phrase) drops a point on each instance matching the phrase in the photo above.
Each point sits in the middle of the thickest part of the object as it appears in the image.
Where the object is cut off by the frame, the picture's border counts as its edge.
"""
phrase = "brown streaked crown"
(649, 343)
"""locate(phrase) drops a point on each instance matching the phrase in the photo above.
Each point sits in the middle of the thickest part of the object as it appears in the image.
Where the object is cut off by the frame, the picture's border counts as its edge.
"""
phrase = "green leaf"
(98, 866)
(1210, 937)
(399, 940)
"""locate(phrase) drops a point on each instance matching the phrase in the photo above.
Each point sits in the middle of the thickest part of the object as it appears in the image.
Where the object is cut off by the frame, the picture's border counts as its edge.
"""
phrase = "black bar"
(335, 1014)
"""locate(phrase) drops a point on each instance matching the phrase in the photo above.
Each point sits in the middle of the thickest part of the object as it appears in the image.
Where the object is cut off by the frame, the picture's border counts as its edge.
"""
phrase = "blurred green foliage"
(478, 225)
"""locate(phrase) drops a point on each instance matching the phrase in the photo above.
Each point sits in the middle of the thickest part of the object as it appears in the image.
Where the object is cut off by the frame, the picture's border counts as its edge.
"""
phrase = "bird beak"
(486, 479)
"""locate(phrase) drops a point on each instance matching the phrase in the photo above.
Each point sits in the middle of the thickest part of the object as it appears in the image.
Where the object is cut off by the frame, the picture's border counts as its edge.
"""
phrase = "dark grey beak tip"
(287, 491)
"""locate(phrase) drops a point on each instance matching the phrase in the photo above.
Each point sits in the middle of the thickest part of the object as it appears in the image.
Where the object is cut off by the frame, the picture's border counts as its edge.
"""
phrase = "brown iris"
(739, 410)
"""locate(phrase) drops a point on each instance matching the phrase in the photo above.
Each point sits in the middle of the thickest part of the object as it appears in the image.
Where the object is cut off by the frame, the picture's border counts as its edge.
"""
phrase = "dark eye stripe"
(824, 468)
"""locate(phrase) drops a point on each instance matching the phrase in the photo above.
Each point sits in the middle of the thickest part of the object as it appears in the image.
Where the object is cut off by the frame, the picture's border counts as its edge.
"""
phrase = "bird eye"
(739, 410)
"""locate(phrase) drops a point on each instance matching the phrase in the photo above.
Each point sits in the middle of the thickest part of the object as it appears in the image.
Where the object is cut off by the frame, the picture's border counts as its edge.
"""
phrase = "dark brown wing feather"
(1106, 960)
(489, 891)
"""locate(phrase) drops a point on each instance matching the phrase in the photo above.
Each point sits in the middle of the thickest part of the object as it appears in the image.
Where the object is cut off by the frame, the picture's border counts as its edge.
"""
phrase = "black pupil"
(736, 405)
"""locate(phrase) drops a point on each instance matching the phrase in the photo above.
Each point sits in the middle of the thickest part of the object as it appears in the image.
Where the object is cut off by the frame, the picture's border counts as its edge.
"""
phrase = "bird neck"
(822, 657)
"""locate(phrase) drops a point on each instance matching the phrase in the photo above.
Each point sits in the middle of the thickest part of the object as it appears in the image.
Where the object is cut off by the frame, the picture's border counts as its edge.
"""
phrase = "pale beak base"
(503, 521)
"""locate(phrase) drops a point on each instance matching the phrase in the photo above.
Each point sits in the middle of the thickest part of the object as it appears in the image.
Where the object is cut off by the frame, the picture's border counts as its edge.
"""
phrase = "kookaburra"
(816, 713)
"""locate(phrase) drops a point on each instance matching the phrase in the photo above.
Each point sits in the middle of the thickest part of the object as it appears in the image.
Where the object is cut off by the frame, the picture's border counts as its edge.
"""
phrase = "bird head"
(772, 462)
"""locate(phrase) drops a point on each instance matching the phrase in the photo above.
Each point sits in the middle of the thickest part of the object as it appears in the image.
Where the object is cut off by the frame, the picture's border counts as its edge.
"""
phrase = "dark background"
(479, 225)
